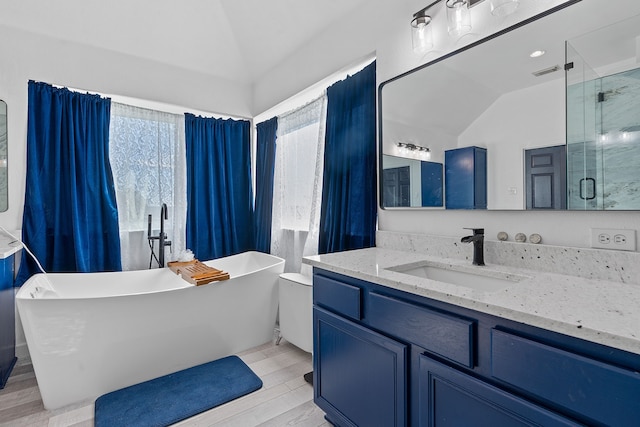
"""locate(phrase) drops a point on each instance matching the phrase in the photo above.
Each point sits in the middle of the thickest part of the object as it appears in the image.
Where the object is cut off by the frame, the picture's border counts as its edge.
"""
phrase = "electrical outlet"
(613, 238)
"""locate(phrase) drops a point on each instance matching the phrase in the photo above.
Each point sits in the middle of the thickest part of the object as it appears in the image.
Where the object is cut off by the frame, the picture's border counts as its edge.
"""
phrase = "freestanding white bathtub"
(92, 333)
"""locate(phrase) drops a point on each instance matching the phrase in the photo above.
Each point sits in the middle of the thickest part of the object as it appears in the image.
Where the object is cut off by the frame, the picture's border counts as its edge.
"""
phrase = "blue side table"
(7, 308)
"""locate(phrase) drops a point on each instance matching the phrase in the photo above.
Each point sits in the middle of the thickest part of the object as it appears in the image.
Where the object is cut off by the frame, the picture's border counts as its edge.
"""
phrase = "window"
(299, 152)
(146, 150)
(297, 189)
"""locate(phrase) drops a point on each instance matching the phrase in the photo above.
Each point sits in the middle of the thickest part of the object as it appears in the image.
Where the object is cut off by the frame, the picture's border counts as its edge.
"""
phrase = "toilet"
(296, 310)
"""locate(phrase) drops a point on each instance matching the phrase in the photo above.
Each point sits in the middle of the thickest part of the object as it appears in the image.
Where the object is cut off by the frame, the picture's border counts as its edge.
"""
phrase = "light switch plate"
(613, 238)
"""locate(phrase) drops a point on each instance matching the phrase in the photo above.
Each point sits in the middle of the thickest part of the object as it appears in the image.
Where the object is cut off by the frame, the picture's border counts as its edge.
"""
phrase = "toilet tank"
(296, 310)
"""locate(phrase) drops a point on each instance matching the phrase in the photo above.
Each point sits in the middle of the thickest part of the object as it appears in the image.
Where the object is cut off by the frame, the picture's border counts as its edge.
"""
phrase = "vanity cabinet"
(359, 375)
(7, 319)
(383, 357)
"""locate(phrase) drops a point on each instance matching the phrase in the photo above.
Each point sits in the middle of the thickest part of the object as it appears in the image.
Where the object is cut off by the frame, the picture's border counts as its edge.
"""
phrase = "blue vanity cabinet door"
(7, 320)
(600, 392)
(449, 398)
(465, 178)
(359, 375)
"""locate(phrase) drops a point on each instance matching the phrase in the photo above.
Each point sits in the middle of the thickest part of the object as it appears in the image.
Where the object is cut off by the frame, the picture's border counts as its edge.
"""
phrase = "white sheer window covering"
(297, 192)
(148, 160)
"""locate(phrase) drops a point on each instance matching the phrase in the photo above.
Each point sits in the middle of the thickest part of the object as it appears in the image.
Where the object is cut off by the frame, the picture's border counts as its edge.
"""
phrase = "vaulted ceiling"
(239, 40)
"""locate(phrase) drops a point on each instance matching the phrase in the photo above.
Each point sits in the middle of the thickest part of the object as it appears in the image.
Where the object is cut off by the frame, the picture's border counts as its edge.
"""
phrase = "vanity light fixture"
(409, 147)
(458, 20)
(413, 147)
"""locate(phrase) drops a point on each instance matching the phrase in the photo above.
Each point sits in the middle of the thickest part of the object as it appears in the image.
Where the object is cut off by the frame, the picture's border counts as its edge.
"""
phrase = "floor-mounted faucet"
(478, 244)
(161, 237)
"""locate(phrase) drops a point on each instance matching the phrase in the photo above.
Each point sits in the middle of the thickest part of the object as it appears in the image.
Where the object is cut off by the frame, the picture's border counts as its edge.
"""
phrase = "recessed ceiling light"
(537, 53)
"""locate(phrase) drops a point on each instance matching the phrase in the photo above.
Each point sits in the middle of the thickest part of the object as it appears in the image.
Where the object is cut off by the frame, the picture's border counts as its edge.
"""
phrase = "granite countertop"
(601, 311)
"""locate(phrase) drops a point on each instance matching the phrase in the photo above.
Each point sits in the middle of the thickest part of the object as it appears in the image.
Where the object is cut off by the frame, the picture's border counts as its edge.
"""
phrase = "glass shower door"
(618, 109)
(584, 180)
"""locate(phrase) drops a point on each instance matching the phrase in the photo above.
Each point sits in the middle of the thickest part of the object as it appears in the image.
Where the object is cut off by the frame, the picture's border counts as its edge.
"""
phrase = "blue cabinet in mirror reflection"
(466, 178)
(431, 176)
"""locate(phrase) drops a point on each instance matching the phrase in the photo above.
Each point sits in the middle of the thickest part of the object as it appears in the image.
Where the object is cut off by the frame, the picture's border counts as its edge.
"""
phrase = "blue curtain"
(219, 193)
(349, 208)
(265, 164)
(70, 219)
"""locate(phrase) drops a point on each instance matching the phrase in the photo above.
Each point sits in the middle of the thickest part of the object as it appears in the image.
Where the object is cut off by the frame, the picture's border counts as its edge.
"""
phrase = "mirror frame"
(492, 36)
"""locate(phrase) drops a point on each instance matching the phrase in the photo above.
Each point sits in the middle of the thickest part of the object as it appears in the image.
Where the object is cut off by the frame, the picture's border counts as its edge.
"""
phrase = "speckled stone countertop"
(602, 311)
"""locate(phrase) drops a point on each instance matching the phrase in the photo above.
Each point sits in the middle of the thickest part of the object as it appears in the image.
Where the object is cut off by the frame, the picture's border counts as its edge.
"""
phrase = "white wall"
(384, 27)
(520, 120)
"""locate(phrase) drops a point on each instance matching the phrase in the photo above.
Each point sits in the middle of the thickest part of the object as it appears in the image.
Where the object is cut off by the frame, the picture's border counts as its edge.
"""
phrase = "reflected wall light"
(411, 148)
(458, 20)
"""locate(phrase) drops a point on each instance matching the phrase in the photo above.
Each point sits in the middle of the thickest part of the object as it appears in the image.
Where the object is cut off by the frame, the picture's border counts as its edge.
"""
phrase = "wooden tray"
(196, 272)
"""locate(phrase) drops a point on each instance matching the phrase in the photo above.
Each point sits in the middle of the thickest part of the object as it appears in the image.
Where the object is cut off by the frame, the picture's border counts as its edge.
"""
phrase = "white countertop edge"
(7, 250)
(560, 311)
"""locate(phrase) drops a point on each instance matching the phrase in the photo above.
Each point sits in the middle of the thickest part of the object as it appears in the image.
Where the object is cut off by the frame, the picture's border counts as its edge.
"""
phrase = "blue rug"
(174, 397)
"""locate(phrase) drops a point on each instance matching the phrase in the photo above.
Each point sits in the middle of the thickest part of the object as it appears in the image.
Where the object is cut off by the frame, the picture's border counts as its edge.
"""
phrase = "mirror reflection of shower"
(603, 121)
(161, 237)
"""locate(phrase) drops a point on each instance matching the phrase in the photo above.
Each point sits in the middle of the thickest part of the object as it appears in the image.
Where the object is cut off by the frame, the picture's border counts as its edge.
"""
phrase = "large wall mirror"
(4, 195)
(493, 126)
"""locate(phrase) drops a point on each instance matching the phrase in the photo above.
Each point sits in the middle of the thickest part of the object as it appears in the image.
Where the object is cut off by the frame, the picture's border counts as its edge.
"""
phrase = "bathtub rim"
(24, 293)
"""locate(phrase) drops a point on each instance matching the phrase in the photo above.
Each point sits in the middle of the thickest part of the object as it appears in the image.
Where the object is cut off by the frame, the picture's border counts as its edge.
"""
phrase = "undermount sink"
(479, 278)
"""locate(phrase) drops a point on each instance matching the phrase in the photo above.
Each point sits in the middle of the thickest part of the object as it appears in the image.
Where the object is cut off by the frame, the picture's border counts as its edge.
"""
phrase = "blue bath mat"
(174, 397)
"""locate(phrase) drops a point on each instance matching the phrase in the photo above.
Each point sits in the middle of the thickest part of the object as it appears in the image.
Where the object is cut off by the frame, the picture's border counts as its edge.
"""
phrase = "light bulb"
(421, 34)
(458, 17)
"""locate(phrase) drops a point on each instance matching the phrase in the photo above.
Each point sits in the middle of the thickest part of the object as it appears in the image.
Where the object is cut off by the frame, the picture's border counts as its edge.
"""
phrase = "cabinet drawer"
(448, 336)
(604, 393)
(337, 296)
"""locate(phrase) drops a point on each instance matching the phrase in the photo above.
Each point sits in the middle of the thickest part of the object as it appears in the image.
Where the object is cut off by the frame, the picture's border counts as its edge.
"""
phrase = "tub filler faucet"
(161, 237)
(477, 238)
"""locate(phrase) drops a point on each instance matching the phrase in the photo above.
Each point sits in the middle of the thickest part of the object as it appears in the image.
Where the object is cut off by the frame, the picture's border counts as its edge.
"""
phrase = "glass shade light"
(458, 17)
(411, 150)
(421, 33)
(503, 7)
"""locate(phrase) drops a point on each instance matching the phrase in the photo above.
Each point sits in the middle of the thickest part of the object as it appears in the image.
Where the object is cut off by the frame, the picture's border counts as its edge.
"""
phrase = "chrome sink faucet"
(478, 244)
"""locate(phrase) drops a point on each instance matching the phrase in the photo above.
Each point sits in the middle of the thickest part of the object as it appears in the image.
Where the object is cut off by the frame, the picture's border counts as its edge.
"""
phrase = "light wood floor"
(284, 400)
